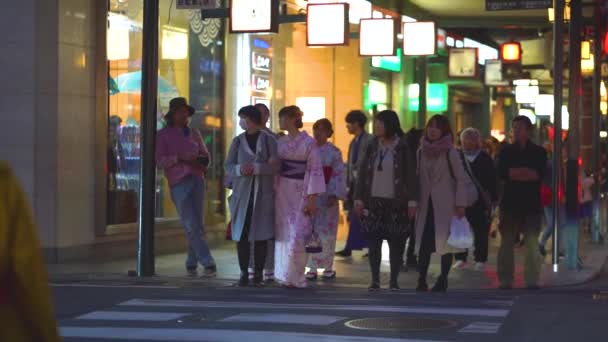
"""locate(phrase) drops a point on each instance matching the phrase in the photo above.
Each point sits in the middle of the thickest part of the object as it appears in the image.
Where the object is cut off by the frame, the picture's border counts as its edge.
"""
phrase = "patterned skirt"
(385, 219)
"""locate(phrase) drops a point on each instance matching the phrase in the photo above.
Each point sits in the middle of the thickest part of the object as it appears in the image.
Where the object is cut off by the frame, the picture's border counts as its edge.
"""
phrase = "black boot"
(258, 279)
(374, 287)
(259, 260)
(395, 268)
(442, 282)
(243, 280)
(422, 285)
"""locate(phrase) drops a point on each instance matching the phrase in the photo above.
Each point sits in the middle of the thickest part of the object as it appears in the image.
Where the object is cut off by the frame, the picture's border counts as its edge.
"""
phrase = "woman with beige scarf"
(442, 196)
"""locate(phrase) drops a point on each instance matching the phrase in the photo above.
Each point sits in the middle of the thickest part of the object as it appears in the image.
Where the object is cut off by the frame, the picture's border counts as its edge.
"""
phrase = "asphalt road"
(220, 312)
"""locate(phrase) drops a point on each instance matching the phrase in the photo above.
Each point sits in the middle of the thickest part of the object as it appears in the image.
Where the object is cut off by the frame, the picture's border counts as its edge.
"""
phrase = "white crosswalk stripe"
(481, 328)
(131, 316)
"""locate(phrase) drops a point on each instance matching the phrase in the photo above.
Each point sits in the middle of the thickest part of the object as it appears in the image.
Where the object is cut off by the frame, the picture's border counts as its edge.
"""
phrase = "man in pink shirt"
(183, 156)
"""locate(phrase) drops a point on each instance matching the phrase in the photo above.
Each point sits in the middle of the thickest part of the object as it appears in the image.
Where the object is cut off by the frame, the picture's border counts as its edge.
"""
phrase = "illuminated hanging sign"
(377, 37)
(462, 63)
(544, 105)
(254, 16)
(510, 52)
(391, 63)
(358, 9)
(327, 24)
(436, 97)
(312, 107)
(419, 38)
(526, 91)
(260, 61)
(493, 74)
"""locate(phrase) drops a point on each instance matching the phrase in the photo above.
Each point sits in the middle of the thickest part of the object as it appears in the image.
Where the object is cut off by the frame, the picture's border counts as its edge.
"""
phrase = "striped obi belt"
(293, 169)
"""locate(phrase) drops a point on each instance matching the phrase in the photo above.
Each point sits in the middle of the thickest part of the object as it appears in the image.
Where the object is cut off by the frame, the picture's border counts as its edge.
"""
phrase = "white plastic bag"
(461, 236)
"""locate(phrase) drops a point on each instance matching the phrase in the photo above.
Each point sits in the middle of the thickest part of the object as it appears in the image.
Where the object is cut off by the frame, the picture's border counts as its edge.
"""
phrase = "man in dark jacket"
(481, 167)
(355, 123)
(521, 166)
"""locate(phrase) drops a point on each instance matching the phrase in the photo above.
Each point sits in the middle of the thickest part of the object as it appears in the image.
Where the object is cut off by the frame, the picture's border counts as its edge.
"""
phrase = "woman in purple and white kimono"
(325, 222)
(300, 181)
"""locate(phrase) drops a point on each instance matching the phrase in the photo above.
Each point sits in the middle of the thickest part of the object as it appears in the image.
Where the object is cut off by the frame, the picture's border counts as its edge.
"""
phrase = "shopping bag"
(461, 236)
(314, 244)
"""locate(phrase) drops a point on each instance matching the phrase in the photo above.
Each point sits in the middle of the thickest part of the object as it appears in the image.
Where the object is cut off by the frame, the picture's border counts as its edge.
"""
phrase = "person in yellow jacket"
(26, 312)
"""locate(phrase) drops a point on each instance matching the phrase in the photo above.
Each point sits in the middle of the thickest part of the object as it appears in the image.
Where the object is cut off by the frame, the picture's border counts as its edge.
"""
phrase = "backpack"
(470, 186)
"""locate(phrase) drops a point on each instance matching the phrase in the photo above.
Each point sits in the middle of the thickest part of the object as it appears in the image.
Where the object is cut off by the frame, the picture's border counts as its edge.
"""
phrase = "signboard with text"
(260, 62)
(195, 4)
(462, 63)
(506, 5)
(254, 16)
(493, 73)
(261, 70)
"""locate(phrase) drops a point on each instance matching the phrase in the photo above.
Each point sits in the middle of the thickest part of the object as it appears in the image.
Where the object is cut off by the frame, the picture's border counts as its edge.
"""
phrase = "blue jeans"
(548, 231)
(188, 198)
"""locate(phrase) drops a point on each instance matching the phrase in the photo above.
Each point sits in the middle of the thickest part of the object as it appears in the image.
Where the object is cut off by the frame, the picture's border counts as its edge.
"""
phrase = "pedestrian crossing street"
(285, 316)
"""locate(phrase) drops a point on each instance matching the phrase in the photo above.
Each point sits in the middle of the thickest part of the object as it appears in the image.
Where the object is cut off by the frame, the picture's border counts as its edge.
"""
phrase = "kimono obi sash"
(293, 169)
(328, 171)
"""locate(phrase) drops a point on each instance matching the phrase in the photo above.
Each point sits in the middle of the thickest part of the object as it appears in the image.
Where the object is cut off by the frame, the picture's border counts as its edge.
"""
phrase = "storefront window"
(191, 65)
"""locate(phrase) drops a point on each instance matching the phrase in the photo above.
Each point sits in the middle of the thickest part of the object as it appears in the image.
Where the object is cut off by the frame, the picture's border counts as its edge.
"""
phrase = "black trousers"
(427, 248)
(480, 224)
(243, 247)
(396, 246)
(411, 247)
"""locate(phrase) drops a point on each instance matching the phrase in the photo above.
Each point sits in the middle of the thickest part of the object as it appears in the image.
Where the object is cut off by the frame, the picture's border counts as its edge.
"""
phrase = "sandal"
(311, 275)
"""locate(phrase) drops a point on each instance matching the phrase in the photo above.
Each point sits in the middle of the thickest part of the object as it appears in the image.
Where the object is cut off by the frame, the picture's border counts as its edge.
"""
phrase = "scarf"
(434, 149)
(472, 155)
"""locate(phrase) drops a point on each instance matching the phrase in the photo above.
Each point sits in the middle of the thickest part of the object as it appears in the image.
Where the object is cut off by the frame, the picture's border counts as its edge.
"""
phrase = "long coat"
(261, 182)
(446, 191)
(352, 167)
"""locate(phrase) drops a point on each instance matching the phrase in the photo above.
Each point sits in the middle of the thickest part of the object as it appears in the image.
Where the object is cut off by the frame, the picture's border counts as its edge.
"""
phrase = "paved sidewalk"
(351, 272)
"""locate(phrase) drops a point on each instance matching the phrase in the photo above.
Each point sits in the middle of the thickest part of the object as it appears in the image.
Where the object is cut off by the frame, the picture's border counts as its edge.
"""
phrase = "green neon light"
(392, 63)
(436, 101)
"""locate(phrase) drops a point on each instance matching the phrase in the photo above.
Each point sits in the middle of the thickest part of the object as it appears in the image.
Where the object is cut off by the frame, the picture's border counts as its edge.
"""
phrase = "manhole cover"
(400, 324)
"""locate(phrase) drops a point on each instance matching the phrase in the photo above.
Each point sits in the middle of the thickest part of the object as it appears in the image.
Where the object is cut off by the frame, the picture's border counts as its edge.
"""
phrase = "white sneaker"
(459, 265)
(480, 266)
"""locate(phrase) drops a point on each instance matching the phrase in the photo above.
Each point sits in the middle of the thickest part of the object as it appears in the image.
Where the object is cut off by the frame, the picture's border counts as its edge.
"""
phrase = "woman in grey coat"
(251, 165)
(442, 196)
